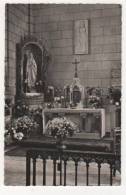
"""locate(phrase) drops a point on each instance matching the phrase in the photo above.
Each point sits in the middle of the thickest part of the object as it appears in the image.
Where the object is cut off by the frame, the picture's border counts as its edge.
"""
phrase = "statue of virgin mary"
(31, 70)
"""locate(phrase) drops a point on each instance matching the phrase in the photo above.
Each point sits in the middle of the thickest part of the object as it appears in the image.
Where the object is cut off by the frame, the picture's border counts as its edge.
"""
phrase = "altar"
(87, 120)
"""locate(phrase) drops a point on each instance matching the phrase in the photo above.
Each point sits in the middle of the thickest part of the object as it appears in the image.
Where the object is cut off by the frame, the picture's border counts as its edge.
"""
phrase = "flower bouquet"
(22, 126)
(60, 128)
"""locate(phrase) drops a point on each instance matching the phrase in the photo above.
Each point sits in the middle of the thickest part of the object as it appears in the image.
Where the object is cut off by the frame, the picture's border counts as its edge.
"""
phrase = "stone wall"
(16, 22)
(101, 66)
(55, 23)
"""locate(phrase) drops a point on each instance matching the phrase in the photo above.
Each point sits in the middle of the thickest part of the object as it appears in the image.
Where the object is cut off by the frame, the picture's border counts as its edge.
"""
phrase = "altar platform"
(82, 142)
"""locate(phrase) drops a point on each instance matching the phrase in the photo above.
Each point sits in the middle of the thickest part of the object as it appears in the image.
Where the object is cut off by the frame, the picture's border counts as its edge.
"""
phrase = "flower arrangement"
(99, 97)
(19, 129)
(94, 97)
(18, 136)
(60, 127)
(22, 126)
(11, 135)
(94, 101)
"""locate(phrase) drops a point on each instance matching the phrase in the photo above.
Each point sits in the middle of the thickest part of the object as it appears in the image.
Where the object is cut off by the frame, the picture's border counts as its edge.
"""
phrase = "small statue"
(31, 71)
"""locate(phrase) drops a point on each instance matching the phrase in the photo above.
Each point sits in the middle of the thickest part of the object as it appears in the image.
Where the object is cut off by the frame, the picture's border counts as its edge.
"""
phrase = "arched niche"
(32, 62)
(32, 69)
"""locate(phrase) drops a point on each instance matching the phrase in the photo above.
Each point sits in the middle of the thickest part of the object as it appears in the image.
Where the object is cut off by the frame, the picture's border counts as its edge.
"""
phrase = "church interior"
(62, 94)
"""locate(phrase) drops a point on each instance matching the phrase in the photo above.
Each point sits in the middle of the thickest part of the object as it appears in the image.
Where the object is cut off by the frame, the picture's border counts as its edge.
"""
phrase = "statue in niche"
(31, 71)
(32, 60)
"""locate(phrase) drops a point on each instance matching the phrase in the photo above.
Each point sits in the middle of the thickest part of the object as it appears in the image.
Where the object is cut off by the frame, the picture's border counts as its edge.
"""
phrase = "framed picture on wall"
(81, 37)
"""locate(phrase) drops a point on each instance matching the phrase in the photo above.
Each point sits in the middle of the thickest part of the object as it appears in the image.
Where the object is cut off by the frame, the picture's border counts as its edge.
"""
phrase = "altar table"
(88, 120)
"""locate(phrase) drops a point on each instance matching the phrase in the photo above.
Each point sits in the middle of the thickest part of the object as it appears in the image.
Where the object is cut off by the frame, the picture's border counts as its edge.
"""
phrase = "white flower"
(19, 136)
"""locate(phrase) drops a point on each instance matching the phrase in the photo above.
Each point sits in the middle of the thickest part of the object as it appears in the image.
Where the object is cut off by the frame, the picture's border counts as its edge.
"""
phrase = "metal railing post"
(28, 171)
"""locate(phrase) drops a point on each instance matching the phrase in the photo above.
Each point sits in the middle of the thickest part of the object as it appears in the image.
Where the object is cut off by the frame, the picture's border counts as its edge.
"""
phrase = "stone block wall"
(55, 23)
(16, 26)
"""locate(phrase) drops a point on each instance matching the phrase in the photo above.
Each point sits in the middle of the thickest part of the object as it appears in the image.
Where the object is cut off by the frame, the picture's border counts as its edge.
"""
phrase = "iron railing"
(64, 156)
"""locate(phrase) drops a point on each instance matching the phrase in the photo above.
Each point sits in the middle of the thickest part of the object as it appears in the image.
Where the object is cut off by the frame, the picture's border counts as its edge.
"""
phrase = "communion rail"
(63, 157)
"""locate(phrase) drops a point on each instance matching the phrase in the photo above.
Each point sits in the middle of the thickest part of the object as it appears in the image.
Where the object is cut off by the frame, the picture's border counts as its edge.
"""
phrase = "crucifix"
(76, 63)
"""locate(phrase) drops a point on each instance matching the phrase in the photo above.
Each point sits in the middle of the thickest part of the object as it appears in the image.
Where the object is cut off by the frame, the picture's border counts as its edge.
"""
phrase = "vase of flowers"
(60, 128)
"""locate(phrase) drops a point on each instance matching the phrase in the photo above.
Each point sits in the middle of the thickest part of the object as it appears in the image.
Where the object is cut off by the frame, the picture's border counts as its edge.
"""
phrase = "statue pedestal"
(33, 100)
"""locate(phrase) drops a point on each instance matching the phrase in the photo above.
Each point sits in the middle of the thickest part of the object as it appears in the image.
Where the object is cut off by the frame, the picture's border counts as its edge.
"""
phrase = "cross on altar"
(76, 63)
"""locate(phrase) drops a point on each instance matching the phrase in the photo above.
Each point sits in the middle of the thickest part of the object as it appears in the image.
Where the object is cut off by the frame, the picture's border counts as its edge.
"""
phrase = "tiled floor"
(15, 172)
